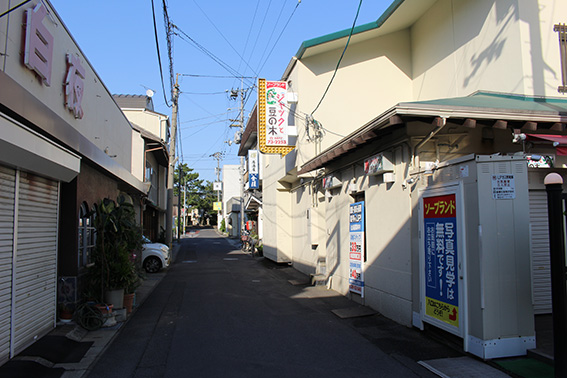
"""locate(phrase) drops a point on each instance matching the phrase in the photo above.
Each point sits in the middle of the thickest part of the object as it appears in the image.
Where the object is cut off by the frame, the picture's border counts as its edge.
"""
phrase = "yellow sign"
(217, 206)
(442, 311)
(262, 102)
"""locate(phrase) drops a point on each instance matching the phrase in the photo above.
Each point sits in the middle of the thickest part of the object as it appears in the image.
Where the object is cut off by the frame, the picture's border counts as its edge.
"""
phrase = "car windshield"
(145, 239)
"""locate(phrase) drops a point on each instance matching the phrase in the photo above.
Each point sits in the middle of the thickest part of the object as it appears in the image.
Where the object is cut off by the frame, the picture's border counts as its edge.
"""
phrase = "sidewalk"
(95, 342)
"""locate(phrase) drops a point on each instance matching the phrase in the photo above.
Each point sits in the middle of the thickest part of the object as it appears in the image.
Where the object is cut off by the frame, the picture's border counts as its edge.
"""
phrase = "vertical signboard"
(276, 113)
(356, 250)
(273, 118)
(441, 259)
(253, 171)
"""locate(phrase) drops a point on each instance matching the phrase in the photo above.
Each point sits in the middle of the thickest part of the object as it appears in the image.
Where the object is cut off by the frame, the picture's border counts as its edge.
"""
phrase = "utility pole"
(218, 156)
(241, 158)
(240, 123)
(179, 203)
(171, 168)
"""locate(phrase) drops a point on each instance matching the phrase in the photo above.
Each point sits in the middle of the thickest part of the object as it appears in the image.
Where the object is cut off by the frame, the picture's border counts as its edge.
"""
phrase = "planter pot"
(129, 302)
(104, 309)
(115, 298)
(66, 316)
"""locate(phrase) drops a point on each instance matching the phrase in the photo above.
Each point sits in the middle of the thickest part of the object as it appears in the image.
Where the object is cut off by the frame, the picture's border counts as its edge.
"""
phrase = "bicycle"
(90, 317)
(248, 243)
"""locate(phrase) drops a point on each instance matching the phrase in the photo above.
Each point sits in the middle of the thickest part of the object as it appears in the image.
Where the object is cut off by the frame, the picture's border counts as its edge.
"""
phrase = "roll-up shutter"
(541, 274)
(35, 270)
(7, 202)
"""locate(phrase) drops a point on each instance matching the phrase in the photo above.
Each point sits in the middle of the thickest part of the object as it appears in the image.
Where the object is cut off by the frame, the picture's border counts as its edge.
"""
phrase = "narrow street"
(220, 313)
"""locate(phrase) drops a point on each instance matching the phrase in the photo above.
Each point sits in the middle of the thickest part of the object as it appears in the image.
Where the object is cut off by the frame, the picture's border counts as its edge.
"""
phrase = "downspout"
(427, 138)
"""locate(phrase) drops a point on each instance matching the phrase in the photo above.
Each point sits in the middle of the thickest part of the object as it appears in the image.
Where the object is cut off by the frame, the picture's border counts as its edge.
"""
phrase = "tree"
(199, 194)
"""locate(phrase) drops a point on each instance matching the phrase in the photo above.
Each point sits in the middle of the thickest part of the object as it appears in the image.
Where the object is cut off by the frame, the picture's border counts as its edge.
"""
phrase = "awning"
(253, 203)
(559, 141)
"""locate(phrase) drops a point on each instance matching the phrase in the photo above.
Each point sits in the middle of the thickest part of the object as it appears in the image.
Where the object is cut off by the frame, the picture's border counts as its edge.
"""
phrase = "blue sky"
(117, 37)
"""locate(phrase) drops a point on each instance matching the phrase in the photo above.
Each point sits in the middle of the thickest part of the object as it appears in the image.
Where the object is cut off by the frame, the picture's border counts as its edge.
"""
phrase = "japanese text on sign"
(276, 113)
(503, 187)
(441, 259)
(356, 252)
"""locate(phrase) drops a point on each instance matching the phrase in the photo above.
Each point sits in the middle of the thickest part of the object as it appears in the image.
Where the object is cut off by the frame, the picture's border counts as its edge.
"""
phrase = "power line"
(222, 35)
(249, 32)
(273, 30)
(159, 56)
(184, 36)
(281, 33)
(340, 59)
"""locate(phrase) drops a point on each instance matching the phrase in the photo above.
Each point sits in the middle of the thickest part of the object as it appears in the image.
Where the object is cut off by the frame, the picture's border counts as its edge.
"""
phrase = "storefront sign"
(441, 259)
(356, 253)
(539, 161)
(503, 187)
(253, 170)
(273, 135)
(377, 164)
(74, 85)
(276, 113)
(38, 57)
(38, 45)
(253, 181)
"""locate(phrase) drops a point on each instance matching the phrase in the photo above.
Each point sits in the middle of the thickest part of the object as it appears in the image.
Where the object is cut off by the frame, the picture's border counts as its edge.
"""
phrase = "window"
(561, 29)
(87, 235)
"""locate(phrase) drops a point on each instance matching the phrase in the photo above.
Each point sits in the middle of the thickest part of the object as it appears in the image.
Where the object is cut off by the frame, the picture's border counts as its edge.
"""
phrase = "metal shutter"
(7, 202)
(35, 272)
(541, 275)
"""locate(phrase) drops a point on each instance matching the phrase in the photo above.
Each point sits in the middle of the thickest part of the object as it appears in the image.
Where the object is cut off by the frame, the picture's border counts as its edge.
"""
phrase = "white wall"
(459, 47)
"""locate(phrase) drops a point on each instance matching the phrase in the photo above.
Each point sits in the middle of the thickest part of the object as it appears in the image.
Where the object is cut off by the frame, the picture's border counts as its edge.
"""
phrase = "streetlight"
(554, 187)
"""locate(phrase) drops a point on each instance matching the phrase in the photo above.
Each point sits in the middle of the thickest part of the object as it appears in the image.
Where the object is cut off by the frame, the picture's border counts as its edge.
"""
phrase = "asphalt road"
(221, 313)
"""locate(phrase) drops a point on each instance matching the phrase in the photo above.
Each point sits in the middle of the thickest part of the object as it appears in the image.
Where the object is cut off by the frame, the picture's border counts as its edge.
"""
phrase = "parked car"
(155, 256)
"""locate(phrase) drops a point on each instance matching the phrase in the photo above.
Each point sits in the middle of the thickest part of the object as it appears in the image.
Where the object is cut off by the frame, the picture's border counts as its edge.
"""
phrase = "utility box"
(474, 253)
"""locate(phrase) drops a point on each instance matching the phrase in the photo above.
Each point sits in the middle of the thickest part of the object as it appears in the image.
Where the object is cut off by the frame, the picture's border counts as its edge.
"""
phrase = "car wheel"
(152, 264)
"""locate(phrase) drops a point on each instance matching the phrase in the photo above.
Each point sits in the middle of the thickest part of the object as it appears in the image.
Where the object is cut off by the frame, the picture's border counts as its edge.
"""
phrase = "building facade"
(425, 115)
(150, 157)
(64, 146)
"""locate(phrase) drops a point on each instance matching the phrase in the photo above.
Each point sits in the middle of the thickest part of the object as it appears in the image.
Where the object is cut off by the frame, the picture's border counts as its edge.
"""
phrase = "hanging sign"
(253, 170)
(356, 253)
(273, 117)
(441, 259)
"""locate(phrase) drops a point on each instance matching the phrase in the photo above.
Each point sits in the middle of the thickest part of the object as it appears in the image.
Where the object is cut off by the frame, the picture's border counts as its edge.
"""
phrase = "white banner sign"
(276, 113)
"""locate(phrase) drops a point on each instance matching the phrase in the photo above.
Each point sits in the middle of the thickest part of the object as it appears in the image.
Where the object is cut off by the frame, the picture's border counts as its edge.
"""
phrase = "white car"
(154, 256)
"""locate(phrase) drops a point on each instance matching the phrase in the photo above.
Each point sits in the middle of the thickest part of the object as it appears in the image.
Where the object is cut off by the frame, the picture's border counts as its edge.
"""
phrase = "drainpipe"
(427, 138)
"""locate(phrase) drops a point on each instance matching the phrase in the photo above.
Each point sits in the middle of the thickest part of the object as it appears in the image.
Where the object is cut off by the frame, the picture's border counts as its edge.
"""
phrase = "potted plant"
(118, 236)
(66, 312)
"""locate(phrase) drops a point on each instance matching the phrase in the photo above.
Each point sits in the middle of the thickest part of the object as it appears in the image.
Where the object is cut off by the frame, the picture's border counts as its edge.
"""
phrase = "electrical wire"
(185, 37)
(222, 35)
(159, 56)
(220, 77)
(273, 30)
(279, 36)
(340, 59)
(249, 32)
(14, 8)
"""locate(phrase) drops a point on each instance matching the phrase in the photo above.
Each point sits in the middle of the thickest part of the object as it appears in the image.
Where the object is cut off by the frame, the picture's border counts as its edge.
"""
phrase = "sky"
(218, 45)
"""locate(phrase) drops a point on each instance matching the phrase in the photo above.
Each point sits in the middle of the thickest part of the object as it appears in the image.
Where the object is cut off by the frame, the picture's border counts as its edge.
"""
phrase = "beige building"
(445, 103)
(150, 157)
(64, 146)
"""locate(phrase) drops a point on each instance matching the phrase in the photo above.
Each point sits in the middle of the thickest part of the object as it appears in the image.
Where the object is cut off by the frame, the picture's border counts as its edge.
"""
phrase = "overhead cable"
(159, 56)
(222, 35)
(279, 36)
(340, 59)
